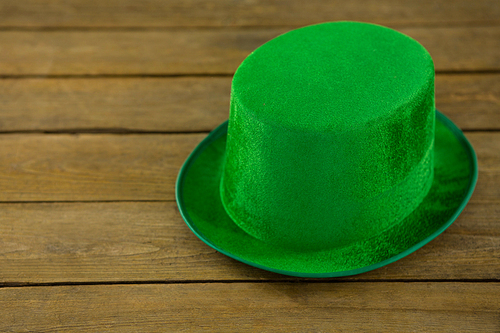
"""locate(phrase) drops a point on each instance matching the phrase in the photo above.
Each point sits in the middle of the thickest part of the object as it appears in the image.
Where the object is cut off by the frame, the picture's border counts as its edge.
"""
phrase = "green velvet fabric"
(331, 135)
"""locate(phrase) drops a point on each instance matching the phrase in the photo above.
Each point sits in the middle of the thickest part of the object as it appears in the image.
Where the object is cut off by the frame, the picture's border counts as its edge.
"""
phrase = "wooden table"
(102, 101)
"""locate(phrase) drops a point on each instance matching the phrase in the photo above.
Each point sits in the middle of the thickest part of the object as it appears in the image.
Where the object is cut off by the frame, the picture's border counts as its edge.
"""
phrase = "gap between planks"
(193, 75)
(290, 279)
(138, 132)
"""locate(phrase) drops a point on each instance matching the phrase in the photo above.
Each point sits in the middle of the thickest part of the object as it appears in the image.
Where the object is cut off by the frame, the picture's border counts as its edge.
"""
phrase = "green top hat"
(334, 161)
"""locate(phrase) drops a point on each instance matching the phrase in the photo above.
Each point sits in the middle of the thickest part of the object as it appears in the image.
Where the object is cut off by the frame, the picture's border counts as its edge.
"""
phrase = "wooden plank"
(254, 307)
(179, 104)
(209, 51)
(471, 101)
(188, 104)
(133, 242)
(158, 13)
(90, 167)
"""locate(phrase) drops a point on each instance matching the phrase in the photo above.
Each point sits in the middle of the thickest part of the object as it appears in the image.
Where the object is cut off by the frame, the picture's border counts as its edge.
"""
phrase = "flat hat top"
(332, 76)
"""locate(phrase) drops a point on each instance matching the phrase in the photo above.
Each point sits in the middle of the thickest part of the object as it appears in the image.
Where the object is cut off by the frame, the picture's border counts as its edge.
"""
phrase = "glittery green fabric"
(342, 109)
(334, 162)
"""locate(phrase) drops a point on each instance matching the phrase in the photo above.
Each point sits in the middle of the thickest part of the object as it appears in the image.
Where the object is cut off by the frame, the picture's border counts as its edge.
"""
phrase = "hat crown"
(330, 136)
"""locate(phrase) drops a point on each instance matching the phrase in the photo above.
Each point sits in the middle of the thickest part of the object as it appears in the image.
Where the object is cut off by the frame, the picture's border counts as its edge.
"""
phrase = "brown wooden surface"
(189, 13)
(255, 307)
(205, 51)
(102, 101)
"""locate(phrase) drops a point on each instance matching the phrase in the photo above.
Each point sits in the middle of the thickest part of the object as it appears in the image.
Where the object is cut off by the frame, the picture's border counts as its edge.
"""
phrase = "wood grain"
(179, 104)
(158, 13)
(204, 51)
(91, 167)
(471, 101)
(144, 241)
(254, 307)
(86, 167)
(188, 104)
(93, 262)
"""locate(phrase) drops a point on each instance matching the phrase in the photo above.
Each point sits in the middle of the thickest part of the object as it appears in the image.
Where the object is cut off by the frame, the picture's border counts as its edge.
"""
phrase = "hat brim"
(198, 198)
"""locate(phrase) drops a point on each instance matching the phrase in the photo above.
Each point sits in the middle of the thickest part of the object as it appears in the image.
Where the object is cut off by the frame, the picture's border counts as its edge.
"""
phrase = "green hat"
(334, 160)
